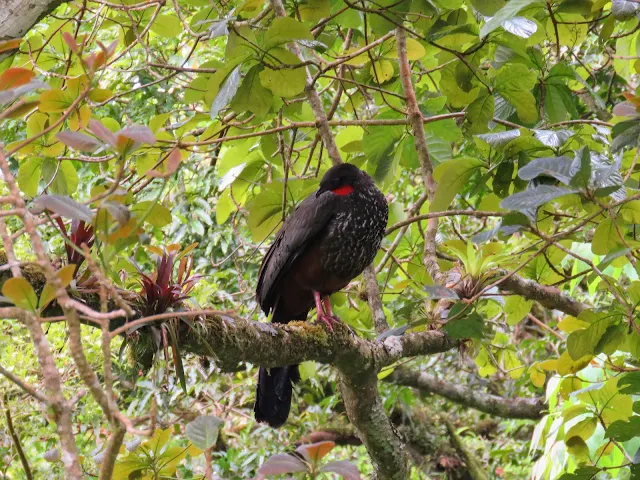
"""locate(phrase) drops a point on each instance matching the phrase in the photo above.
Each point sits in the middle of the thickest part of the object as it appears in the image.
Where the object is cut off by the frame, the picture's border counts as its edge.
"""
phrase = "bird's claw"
(329, 321)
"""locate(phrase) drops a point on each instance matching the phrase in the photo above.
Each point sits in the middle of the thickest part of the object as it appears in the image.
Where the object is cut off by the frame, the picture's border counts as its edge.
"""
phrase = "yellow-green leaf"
(65, 275)
(52, 101)
(382, 71)
(21, 293)
(583, 429)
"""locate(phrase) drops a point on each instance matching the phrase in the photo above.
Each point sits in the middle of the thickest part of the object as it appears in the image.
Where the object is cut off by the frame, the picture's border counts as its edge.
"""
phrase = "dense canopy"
(150, 149)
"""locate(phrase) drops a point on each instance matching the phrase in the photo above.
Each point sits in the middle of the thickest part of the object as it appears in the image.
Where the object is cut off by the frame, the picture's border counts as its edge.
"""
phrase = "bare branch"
(527, 408)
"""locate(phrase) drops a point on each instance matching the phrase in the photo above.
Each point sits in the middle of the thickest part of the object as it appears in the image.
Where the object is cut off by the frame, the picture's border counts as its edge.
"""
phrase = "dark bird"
(328, 240)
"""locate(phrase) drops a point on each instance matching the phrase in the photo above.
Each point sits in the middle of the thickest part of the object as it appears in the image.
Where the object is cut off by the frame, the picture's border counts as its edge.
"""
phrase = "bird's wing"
(306, 222)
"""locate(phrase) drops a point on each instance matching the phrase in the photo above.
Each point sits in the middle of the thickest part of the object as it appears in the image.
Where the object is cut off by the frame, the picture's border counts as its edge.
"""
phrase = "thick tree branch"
(548, 297)
(525, 408)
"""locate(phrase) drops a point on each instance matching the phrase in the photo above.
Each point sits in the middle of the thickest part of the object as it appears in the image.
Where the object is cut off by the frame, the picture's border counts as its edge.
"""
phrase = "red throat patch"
(344, 190)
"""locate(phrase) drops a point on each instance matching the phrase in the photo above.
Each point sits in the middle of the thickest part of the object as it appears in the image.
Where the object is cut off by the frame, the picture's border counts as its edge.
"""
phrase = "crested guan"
(328, 240)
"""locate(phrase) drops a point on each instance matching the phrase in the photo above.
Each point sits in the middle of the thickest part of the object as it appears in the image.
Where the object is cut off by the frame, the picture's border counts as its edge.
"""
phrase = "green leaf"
(584, 342)
(451, 176)
(21, 293)
(534, 197)
(515, 83)
(284, 82)
(314, 10)
(624, 431)
(629, 383)
(284, 30)
(154, 213)
(556, 167)
(29, 176)
(227, 91)
(63, 180)
(65, 275)
(252, 95)
(605, 238)
(583, 429)
(461, 326)
(167, 26)
(480, 112)
(379, 143)
(582, 177)
(630, 211)
(558, 103)
(516, 308)
(488, 8)
(507, 12)
(265, 212)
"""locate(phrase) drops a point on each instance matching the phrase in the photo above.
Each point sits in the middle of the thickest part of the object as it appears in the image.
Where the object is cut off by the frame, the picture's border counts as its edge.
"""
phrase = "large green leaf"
(480, 112)
(515, 83)
(203, 431)
(507, 12)
(284, 81)
(451, 176)
(378, 144)
(283, 30)
(252, 95)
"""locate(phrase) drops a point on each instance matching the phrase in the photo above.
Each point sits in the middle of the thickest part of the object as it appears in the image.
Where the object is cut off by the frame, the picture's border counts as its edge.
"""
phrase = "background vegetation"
(149, 148)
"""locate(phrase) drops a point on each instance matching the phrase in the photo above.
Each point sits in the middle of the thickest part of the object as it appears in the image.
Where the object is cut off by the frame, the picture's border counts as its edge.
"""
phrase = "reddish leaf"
(79, 141)
(282, 463)
(344, 468)
(69, 40)
(315, 451)
(63, 206)
(138, 133)
(173, 160)
(14, 77)
(625, 109)
(10, 45)
(102, 132)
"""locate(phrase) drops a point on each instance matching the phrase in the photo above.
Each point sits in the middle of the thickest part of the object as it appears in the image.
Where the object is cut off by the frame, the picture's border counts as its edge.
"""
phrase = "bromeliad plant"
(159, 291)
(162, 292)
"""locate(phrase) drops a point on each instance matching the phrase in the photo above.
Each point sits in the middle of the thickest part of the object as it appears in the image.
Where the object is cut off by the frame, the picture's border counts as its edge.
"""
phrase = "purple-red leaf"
(102, 132)
(173, 161)
(64, 206)
(625, 109)
(69, 40)
(138, 133)
(79, 141)
(344, 468)
(282, 463)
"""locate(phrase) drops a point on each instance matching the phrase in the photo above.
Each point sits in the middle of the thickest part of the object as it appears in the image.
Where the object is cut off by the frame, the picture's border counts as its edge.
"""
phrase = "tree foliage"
(149, 150)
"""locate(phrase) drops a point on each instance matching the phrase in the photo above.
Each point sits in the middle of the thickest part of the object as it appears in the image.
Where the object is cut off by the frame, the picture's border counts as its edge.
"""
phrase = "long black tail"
(273, 395)
(275, 385)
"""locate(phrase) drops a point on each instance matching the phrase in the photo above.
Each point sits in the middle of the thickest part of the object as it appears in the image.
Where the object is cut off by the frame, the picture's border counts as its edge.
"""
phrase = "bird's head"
(343, 179)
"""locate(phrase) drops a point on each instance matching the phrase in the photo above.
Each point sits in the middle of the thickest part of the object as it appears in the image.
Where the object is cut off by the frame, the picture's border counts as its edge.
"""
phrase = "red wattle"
(344, 190)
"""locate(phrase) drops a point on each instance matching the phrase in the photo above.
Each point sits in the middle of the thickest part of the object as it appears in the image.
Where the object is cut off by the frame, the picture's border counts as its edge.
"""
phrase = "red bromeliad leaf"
(14, 77)
(79, 141)
(102, 132)
(282, 463)
(173, 161)
(315, 451)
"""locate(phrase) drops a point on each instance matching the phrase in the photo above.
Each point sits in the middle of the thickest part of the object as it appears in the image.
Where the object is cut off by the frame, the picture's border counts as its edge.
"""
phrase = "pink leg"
(324, 311)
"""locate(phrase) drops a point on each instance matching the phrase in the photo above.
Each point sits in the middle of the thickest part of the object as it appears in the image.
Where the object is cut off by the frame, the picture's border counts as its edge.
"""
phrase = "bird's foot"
(329, 321)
